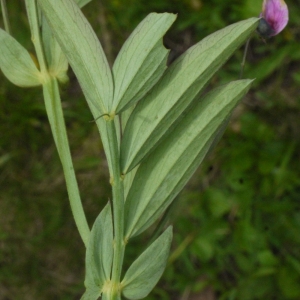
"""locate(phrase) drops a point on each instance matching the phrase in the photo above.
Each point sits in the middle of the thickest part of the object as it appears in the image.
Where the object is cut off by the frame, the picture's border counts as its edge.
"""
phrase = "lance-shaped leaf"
(183, 81)
(141, 61)
(99, 254)
(16, 63)
(82, 49)
(144, 273)
(56, 60)
(166, 170)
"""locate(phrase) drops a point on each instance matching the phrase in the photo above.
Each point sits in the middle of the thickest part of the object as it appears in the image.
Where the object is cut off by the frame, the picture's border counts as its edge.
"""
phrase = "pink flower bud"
(275, 16)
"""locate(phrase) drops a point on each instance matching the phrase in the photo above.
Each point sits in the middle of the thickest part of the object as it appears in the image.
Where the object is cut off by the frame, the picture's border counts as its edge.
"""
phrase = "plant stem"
(118, 211)
(56, 119)
(5, 16)
(58, 128)
(32, 12)
(244, 58)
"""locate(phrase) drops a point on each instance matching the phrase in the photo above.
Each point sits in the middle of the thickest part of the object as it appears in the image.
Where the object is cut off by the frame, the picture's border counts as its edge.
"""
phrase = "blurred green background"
(237, 223)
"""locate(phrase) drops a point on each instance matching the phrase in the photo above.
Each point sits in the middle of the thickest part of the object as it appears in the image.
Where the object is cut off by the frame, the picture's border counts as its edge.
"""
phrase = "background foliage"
(237, 223)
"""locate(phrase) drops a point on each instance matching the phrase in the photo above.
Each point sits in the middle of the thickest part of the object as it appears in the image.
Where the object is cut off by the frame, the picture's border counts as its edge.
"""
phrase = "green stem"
(244, 58)
(118, 211)
(5, 16)
(56, 119)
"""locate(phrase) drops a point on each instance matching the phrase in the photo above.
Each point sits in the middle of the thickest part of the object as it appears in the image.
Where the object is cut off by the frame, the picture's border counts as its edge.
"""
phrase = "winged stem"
(118, 210)
(57, 123)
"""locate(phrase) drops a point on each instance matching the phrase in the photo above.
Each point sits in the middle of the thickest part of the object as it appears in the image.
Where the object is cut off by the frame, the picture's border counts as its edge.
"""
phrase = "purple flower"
(274, 17)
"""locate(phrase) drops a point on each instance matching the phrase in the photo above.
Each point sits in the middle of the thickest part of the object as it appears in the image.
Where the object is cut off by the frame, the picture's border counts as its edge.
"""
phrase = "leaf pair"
(19, 67)
(139, 65)
(141, 276)
(141, 61)
(181, 84)
(172, 129)
(167, 169)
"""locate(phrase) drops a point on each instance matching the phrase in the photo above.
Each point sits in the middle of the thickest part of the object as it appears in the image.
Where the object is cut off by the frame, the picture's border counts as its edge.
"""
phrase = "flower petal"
(276, 13)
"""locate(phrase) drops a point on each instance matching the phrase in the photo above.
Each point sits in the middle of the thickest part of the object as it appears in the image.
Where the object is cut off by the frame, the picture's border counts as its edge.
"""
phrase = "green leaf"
(166, 170)
(99, 253)
(128, 180)
(82, 3)
(82, 49)
(56, 60)
(146, 270)
(183, 81)
(141, 61)
(91, 294)
(16, 63)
